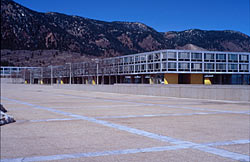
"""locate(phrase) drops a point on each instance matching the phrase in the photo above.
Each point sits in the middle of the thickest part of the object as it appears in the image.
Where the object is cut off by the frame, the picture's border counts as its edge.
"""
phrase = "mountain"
(226, 40)
(23, 29)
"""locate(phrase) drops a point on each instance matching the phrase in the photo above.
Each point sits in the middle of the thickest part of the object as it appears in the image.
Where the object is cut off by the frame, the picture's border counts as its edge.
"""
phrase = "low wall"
(12, 80)
(212, 92)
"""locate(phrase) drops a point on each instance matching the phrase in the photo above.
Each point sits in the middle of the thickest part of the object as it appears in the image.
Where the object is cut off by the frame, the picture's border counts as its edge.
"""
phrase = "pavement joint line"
(128, 116)
(101, 106)
(219, 152)
(120, 117)
(170, 106)
(48, 120)
(157, 115)
(225, 143)
(116, 152)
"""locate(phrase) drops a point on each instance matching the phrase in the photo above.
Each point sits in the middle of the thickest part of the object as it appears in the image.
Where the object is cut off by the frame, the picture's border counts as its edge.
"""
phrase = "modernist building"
(157, 67)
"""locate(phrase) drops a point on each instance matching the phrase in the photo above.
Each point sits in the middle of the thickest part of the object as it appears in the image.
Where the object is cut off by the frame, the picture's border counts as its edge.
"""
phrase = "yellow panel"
(170, 78)
(196, 79)
(151, 81)
(207, 81)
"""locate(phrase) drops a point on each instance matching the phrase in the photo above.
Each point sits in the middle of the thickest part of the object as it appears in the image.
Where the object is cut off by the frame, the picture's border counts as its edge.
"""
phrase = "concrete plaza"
(56, 124)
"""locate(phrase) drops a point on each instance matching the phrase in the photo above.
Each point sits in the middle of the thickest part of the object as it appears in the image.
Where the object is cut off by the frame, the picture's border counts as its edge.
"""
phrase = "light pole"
(97, 76)
(97, 69)
(25, 76)
(69, 72)
(51, 75)
(30, 76)
(41, 82)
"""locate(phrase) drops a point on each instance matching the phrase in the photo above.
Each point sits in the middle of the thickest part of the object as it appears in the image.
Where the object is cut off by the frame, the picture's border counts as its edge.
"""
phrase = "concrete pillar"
(170, 78)
(196, 79)
(132, 79)
(142, 79)
(102, 79)
(121, 79)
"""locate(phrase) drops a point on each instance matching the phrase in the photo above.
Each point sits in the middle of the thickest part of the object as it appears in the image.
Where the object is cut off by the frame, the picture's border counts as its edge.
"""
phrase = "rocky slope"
(24, 29)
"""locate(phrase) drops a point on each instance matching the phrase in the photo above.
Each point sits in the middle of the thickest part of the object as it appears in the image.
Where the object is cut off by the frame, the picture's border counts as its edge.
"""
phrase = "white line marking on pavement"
(94, 154)
(171, 140)
(156, 115)
(48, 120)
(224, 143)
(115, 152)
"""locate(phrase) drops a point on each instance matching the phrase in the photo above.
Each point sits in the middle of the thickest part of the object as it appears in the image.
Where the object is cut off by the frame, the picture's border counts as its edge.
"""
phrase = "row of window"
(182, 56)
(172, 66)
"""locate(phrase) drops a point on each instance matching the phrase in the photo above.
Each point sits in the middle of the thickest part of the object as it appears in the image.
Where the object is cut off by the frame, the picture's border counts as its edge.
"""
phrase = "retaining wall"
(213, 92)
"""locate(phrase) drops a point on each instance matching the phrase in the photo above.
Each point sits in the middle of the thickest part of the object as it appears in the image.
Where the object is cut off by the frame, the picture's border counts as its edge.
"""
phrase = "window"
(244, 67)
(164, 65)
(209, 66)
(232, 66)
(157, 66)
(172, 65)
(125, 60)
(137, 67)
(150, 57)
(196, 56)
(143, 58)
(164, 56)
(150, 66)
(221, 66)
(221, 57)
(183, 65)
(183, 55)
(126, 68)
(233, 57)
(209, 56)
(157, 56)
(171, 55)
(143, 67)
(131, 59)
(120, 69)
(136, 58)
(131, 68)
(120, 61)
(196, 66)
(243, 58)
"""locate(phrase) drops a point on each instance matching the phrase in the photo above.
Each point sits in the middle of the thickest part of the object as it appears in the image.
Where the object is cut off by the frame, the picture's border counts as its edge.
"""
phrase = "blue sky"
(162, 15)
